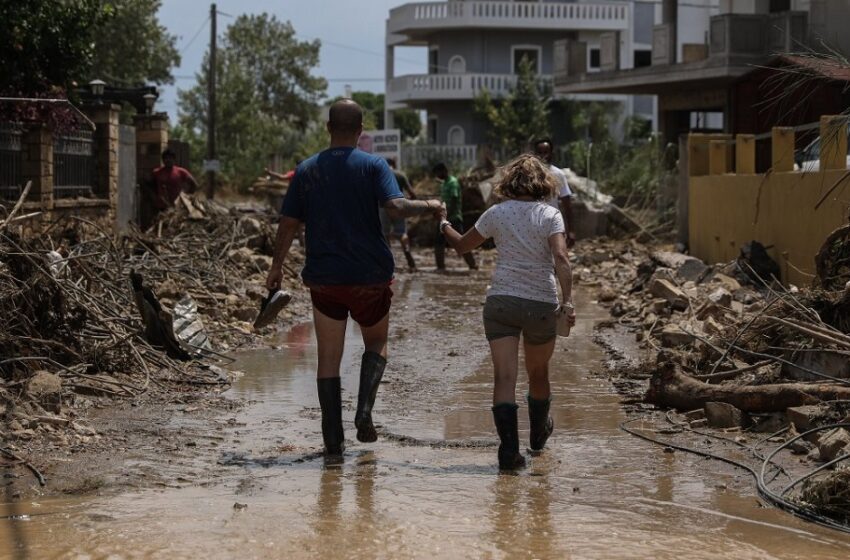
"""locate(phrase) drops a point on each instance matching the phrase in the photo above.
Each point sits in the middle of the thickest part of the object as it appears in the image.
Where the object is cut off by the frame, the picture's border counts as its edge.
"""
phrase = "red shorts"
(366, 304)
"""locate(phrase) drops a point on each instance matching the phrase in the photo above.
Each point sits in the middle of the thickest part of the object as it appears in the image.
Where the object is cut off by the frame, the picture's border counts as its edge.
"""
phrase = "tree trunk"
(670, 388)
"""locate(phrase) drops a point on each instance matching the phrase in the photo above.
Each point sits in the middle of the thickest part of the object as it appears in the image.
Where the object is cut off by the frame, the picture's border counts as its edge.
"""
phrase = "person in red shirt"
(170, 180)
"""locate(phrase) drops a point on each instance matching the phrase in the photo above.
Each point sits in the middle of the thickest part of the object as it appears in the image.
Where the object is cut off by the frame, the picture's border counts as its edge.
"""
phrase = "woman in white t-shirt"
(523, 296)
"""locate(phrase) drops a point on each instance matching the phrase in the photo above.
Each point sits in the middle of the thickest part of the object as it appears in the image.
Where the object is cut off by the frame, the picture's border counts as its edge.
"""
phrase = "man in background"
(452, 196)
(564, 200)
(397, 229)
(169, 181)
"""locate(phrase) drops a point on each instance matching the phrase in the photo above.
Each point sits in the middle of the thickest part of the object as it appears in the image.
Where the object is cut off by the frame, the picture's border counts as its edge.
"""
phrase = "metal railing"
(73, 165)
(11, 179)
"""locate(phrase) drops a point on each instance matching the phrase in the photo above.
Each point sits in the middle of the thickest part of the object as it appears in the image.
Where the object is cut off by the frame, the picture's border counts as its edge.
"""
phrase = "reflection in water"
(595, 492)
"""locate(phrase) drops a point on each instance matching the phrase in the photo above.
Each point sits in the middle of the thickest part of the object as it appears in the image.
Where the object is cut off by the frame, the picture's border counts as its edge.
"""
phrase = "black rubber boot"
(411, 264)
(371, 371)
(510, 458)
(542, 424)
(330, 399)
(470, 261)
(440, 256)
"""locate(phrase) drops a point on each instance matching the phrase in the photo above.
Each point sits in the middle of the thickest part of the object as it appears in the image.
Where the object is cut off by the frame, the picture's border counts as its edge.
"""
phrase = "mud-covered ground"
(240, 474)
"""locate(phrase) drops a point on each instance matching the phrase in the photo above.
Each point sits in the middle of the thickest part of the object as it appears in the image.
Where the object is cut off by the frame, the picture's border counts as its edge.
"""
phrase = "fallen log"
(670, 388)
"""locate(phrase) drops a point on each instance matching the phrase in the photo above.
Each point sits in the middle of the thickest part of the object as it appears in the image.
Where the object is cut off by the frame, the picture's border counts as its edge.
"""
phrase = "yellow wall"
(723, 216)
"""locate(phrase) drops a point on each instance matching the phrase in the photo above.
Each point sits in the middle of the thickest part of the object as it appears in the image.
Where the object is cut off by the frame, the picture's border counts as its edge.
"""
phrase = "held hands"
(442, 213)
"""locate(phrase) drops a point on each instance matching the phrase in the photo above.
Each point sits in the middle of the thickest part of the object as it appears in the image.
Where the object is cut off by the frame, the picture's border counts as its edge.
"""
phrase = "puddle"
(597, 492)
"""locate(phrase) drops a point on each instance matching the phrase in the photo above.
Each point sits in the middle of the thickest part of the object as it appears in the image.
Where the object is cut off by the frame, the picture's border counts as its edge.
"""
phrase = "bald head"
(345, 118)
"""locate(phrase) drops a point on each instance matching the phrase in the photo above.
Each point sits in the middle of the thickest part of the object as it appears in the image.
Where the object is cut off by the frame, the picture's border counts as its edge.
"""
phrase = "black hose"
(764, 492)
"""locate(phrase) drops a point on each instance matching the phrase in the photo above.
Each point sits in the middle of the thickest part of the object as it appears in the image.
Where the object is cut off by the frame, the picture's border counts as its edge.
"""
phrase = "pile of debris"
(733, 349)
(217, 257)
(86, 316)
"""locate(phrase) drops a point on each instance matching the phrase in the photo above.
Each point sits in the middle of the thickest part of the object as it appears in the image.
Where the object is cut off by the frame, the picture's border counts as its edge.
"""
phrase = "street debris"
(85, 315)
(732, 349)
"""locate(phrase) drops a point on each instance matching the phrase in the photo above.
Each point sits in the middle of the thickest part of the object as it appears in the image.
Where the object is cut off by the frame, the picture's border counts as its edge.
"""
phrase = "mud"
(247, 480)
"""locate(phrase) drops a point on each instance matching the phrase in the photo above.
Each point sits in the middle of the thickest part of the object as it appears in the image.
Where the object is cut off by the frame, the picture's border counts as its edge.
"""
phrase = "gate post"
(105, 118)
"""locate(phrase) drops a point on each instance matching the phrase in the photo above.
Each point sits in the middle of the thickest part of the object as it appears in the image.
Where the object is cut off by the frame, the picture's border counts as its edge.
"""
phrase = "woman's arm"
(463, 244)
(558, 245)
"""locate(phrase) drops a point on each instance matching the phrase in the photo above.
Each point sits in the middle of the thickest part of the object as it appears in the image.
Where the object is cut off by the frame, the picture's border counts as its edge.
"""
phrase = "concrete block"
(724, 415)
(833, 444)
(673, 295)
(803, 417)
(721, 297)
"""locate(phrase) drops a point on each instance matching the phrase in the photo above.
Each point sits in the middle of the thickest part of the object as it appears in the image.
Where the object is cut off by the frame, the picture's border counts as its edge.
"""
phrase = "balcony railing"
(443, 87)
(530, 15)
(430, 154)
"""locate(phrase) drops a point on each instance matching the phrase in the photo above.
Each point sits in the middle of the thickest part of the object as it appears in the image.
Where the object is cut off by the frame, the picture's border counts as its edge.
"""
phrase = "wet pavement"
(429, 488)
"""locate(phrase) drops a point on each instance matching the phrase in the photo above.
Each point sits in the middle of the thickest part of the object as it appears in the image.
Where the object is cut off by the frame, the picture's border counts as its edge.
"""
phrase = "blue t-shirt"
(337, 193)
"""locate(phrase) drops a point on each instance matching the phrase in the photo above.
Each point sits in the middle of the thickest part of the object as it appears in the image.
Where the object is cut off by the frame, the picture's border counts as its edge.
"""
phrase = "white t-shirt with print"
(521, 231)
(564, 190)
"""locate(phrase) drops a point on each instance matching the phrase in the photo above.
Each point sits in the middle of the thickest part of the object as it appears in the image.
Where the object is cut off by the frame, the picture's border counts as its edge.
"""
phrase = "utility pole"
(211, 107)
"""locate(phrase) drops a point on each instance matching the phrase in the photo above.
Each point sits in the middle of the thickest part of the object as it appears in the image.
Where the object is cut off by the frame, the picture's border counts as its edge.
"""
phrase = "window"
(433, 61)
(643, 58)
(528, 52)
(780, 6)
(457, 136)
(595, 57)
(457, 65)
(432, 130)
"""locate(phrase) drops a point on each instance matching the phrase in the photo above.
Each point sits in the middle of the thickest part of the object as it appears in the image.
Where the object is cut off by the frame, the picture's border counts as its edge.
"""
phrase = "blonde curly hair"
(527, 175)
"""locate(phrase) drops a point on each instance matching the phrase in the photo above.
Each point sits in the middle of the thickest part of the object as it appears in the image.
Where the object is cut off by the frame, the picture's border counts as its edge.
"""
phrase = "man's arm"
(275, 174)
(287, 229)
(567, 212)
(404, 208)
(193, 184)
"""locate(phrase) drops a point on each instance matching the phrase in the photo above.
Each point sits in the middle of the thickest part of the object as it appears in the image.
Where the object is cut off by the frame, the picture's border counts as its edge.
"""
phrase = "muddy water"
(597, 492)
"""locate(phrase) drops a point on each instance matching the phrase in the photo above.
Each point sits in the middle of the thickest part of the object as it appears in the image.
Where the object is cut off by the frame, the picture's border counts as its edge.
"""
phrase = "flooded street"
(430, 487)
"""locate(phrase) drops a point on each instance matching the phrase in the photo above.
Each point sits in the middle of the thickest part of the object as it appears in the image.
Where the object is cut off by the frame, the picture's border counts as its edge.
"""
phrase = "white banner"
(384, 143)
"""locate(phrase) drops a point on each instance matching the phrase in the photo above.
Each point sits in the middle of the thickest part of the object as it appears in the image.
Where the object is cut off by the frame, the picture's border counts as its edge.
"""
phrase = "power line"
(195, 36)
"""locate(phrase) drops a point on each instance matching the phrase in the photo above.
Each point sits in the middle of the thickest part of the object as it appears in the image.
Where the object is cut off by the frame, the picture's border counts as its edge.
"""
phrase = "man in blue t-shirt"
(336, 194)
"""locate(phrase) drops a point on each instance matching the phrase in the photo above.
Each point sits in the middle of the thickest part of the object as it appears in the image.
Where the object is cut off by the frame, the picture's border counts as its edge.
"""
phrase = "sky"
(352, 34)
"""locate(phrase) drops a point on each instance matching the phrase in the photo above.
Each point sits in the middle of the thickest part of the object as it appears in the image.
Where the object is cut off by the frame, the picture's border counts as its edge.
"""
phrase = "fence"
(74, 165)
(789, 211)
(10, 161)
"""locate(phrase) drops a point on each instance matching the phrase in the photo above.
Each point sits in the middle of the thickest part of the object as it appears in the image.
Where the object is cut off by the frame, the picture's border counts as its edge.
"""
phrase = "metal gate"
(128, 189)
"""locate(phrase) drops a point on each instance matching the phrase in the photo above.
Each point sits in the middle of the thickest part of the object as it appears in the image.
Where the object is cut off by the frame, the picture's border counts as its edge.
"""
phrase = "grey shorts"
(509, 316)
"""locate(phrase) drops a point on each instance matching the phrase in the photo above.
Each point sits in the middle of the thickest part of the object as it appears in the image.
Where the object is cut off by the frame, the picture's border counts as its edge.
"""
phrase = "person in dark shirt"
(452, 195)
(349, 267)
(397, 229)
(170, 180)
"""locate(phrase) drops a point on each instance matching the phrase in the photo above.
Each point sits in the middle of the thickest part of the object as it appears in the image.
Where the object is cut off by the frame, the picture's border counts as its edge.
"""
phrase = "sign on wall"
(384, 143)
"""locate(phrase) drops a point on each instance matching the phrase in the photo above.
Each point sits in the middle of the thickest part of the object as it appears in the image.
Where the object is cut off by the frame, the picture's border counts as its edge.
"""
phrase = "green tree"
(133, 48)
(45, 44)
(406, 120)
(267, 98)
(520, 116)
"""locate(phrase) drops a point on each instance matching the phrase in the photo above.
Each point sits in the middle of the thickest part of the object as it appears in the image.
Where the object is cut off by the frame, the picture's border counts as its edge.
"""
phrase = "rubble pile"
(732, 350)
(219, 257)
(73, 327)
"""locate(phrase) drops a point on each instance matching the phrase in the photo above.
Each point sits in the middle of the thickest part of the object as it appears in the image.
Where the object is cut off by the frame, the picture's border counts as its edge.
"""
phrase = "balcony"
(447, 87)
(426, 155)
(425, 17)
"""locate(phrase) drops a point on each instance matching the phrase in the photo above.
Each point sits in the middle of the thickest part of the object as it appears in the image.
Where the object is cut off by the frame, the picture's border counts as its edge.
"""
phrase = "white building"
(475, 45)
